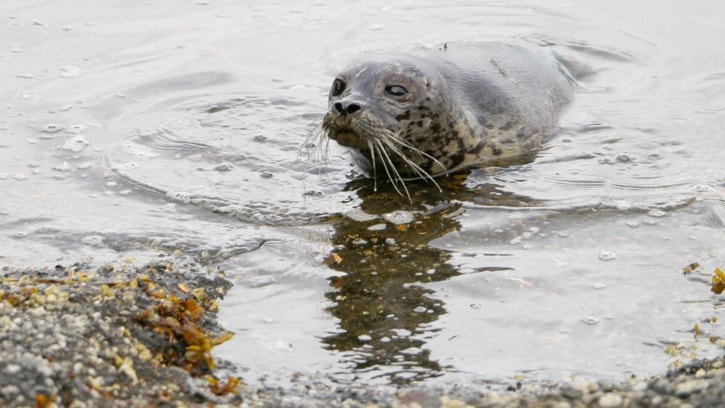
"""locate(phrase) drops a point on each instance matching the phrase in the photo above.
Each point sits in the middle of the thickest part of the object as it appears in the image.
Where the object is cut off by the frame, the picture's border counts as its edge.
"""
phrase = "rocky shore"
(126, 336)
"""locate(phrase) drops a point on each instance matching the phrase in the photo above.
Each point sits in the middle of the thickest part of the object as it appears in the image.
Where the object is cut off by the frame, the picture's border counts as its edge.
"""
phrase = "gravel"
(125, 336)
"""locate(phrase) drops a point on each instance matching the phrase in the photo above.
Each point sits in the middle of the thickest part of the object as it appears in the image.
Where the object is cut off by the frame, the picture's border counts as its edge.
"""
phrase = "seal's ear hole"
(396, 91)
(337, 87)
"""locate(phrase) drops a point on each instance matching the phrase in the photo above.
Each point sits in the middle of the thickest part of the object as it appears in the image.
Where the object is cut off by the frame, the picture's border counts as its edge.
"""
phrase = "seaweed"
(718, 281)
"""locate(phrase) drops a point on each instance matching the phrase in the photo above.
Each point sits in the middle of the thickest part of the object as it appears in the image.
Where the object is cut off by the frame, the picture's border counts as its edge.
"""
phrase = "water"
(132, 129)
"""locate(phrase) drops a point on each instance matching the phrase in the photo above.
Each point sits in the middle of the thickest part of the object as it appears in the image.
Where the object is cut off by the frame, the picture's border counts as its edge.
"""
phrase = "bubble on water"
(52, 128)
(65, 108)
(26, 96)
(605, 255)
(623, 158)
(702, 188)
(224, 167)
(84, 166)
(25, 75)
(623, 205)
(633, 224)
(598, 286)
(70, 71)
(20, 176)
(377, 227)
(75, 144)
(77, 129)
(475, 305)
(4, 175)
(561, 262)
(124, 192)
(399, 217)
(62, 167)
(92, 240)
(590, 320)
(139, 150)
(377, 27)
(656, 213)
(364, 337)
(517, 240)
(67, 28)
(182, 196)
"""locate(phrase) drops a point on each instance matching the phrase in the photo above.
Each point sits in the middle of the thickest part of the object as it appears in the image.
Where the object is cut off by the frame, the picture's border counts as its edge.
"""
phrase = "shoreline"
(133, 336)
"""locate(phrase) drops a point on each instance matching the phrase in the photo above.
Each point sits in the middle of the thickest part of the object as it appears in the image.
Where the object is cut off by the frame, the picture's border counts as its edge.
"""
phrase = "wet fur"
(467, 103)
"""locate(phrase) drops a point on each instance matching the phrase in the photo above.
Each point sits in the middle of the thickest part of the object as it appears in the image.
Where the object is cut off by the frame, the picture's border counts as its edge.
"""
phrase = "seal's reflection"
(383, 309)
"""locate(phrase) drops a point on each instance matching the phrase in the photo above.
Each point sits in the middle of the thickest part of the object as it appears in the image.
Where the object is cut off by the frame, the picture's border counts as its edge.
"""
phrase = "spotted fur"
(446, 109)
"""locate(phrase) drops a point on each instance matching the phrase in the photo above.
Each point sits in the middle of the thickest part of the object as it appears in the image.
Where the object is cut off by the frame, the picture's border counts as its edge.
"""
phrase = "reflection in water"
(385, 314)
(383, 311)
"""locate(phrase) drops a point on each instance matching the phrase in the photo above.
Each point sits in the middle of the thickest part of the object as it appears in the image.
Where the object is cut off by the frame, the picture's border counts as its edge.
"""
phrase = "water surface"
(129, 130)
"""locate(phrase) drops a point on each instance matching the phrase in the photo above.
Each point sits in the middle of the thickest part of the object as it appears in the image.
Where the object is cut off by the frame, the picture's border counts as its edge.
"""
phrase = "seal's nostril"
(352, 108)
(346, 108)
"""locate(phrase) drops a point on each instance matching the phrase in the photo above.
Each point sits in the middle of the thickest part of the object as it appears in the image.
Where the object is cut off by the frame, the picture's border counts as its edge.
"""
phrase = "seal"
(446, 109)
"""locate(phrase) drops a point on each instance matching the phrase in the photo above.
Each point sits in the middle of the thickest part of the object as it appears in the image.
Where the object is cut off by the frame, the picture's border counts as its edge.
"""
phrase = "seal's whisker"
(317, 144)
(416, 168)
(407, 144)
(371, 146)
(388, 164)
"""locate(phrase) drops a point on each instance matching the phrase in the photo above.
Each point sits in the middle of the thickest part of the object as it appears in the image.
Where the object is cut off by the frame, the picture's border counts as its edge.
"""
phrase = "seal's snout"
(345, 108)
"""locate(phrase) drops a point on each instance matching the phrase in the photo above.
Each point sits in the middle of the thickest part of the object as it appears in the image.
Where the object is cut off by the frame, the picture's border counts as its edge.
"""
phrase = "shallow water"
(129, 130)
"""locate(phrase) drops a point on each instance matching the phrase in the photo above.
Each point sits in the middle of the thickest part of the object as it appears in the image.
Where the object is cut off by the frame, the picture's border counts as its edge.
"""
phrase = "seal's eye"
(337, 87)
(396, 91)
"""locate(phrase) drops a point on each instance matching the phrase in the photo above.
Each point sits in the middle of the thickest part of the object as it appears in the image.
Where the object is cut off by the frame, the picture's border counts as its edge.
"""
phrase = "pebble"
(43, 346)
(610, 400)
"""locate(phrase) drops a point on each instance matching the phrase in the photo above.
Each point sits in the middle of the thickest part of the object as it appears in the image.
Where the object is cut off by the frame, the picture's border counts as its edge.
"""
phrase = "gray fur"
(467, 103)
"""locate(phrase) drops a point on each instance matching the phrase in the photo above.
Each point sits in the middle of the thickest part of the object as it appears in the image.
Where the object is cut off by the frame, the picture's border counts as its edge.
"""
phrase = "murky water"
(132, 129)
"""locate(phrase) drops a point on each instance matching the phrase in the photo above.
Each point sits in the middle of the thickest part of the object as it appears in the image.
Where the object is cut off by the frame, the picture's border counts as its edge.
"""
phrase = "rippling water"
(129, 130)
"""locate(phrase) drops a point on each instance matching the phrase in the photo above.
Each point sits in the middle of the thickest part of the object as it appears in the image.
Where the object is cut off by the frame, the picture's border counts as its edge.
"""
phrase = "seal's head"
(387, 108)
